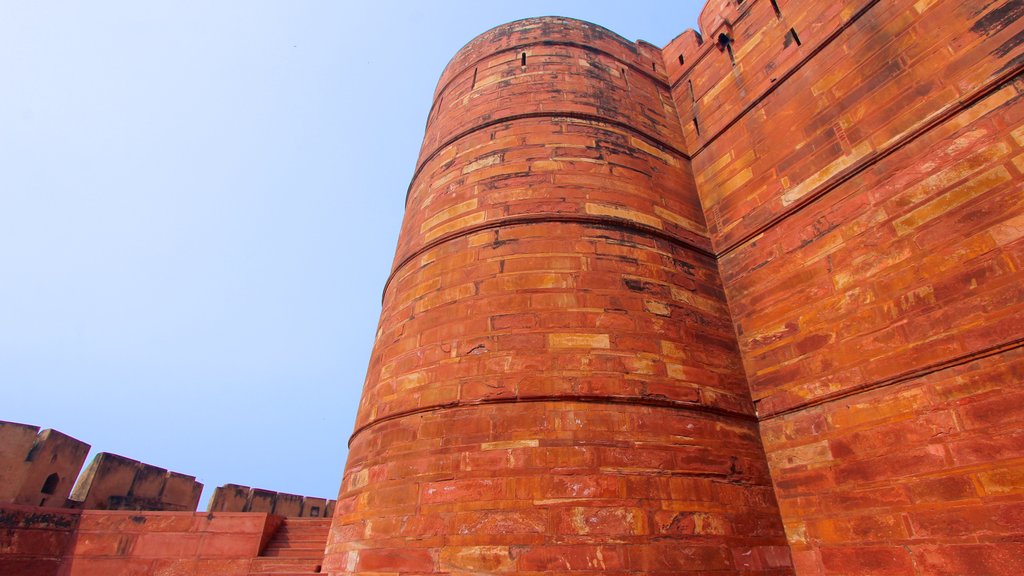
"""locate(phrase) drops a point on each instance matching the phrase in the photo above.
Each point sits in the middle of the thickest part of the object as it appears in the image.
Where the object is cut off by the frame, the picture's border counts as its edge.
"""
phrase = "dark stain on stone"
(478, 349)
(634, 285)
(999, 18)
(1009, 45)
(12, 520)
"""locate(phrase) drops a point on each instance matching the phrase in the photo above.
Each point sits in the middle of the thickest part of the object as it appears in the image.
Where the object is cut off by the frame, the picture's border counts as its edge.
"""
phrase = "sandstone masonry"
(751, 303)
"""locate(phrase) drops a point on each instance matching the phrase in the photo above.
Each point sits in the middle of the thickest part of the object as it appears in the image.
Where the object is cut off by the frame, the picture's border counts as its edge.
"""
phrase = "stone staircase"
(296, 549)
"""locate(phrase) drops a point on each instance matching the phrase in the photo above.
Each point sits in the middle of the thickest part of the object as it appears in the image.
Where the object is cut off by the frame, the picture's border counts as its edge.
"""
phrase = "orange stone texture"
(37, 541)
(748, 304)
(556, 386)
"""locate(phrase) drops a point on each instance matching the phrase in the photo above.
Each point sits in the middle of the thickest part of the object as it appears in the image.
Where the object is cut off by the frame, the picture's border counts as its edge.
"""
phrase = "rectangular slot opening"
(793, 38)
(725, 44)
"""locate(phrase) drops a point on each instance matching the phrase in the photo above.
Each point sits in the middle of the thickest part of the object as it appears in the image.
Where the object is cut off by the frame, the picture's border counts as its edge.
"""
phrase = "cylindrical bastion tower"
(555, 385)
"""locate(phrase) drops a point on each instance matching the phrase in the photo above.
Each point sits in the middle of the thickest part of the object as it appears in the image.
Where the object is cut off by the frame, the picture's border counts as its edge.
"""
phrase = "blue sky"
(199, 205)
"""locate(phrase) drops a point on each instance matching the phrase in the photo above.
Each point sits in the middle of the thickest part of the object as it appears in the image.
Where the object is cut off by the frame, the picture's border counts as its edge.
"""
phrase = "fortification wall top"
(38, 468)
(551, 66)
(548, 30)
(237, 498)
(113, 482)
(15, 442)
(41, 468)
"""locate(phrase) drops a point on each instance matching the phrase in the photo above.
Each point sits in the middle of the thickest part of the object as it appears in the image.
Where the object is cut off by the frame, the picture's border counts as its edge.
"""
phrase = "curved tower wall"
(555, 383)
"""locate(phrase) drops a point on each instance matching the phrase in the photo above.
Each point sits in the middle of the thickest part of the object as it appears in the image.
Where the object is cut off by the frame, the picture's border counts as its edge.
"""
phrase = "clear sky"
(199, 205)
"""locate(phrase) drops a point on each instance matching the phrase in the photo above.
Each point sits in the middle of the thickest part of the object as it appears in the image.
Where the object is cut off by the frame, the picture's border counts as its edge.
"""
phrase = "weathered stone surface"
(750, 304)
(853, 171)
(864, 198)
(113, 482)
(38, 468)
(556, 385)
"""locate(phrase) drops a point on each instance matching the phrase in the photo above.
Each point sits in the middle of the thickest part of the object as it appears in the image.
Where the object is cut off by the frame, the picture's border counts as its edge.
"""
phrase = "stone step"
(307, 545)
(297, 552)
(299, 537)
(280, 566)
(282, 573)
(296, 548)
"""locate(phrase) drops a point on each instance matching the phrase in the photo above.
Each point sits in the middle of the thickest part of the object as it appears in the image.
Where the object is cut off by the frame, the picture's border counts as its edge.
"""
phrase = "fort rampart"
(646, 303)
(752, 303)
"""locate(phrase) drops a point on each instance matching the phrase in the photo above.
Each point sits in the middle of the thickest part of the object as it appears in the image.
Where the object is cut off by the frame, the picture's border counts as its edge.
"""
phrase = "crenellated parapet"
(113, 482)
(44, 469)
(38, 468)
(238, 498)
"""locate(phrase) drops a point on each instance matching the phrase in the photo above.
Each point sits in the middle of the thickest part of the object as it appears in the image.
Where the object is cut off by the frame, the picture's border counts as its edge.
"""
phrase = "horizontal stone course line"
(525, 220)
(900, 378)
(530, 115)
(951, 110)
(581, 398)
(518, 47)
(782, 79)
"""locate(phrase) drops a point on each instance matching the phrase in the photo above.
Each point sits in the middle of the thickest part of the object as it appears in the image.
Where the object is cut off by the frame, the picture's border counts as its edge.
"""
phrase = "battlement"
(38, 468)
(44, 468)
(748, 304)
(237, 498)
(113, 482)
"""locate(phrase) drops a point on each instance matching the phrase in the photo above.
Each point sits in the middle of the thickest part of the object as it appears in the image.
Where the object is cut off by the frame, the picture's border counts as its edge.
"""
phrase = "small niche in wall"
(50, 484)
(775, 6)
(523, 59)
(681, 60)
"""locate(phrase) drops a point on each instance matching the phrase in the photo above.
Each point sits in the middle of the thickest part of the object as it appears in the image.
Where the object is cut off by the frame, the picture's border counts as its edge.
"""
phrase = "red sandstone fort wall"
(127, 528)
(858, 166)
(863, 190)
(555, 385)
(36, 541)
(38, 468)
(663, 312)
(186, 543)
